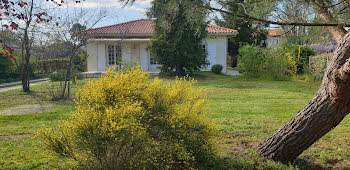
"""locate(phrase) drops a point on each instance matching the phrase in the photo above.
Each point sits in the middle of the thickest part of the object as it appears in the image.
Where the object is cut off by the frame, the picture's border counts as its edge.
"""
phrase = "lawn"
(246, 110)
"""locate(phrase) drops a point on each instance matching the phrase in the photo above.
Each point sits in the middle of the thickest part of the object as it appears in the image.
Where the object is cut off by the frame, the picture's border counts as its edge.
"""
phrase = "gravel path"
(20, 86)
(233, 73)
(19, 82)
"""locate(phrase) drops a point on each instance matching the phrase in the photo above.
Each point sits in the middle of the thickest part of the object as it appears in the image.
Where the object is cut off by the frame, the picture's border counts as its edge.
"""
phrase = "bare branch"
(246, 16)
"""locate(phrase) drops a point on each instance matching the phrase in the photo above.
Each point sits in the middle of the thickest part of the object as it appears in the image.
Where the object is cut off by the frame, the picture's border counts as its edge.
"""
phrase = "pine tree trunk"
(323, 113)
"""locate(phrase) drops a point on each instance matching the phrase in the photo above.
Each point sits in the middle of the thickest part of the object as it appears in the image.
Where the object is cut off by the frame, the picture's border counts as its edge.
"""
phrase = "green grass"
(246, 110)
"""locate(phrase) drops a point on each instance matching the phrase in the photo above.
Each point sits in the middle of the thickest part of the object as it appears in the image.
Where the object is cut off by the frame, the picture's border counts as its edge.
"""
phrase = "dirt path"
(15, 137)
(20, 86)
(26, 109)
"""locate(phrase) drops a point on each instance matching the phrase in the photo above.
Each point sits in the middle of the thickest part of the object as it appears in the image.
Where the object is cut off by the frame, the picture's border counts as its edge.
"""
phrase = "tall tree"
(249, 31)
(180, 28)
(332, 101)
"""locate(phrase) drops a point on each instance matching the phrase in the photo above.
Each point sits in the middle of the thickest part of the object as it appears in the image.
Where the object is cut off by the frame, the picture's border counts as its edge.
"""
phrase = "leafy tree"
(249, 31)
(180, 28)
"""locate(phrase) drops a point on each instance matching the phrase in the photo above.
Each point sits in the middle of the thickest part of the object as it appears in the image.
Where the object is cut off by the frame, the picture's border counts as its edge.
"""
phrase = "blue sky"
(116, 12)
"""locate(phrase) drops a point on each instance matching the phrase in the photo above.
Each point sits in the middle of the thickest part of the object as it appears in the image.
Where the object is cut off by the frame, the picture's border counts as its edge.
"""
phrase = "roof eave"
(231, 34)
(118, 35)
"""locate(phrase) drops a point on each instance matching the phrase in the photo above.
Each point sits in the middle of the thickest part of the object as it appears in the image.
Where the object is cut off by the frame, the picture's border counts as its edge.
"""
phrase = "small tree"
(25, 18)
(180, 28)
(72, 30)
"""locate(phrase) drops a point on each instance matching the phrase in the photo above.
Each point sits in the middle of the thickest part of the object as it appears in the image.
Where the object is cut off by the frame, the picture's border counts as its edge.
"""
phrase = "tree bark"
(25, 63)
(323, 113)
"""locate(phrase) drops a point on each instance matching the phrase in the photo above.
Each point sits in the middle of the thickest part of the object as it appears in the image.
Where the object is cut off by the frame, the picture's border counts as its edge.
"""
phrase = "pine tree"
(180, 27)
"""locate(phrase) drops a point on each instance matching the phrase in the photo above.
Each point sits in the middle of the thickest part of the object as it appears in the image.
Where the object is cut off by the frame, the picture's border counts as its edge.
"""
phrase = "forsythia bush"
(126, 121)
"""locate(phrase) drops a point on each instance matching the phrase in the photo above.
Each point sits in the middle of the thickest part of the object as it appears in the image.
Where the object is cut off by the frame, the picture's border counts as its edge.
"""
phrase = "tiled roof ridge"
(146, 26)
(128, 22)
(222, 28)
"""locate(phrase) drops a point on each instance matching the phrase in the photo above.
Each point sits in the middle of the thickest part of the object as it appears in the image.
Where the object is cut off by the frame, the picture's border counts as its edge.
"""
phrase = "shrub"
(301, 57)
(125, 121)
(250, 60)
(319, 64)
(276, 63)
(216, 68)
(58, 76)
(324, 48)
(51, 65)
(6, 65)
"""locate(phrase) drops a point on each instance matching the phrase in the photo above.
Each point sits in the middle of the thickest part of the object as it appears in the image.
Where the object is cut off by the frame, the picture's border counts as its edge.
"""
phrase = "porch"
(98, 74)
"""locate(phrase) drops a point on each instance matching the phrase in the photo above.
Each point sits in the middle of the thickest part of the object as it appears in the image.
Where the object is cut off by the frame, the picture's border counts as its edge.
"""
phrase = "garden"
(245, 110)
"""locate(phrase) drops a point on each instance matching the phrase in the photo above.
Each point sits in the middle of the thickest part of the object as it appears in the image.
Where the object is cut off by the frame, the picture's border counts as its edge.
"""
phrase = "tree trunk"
(68, 71)
(324, 112)
(25, 64)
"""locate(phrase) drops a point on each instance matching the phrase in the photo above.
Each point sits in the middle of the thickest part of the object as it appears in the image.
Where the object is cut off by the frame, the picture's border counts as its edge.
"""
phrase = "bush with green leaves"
(276, 63)
(217, 68)
(319, 64)
(126, 121)
(302, 54)
(250, 60)
(8, 70)
(58, 76)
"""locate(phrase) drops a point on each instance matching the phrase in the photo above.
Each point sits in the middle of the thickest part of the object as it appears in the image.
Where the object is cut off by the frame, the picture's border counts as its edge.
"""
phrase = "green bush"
(58, 76)
(302, 59)
(126, 121)
(250, 60)
(7, 67)
(216, 68)
(319, 64)
(276, 63)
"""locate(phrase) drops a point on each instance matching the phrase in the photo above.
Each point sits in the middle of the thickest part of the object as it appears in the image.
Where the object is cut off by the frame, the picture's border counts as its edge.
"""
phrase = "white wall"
(91, 49)
(101, 60)
(97, 57)
(217, 51)
(144, 60)
(126, 52)
(273, 41)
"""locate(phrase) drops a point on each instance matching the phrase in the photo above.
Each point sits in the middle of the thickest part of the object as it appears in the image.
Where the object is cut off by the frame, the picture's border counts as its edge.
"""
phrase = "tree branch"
(246, 16)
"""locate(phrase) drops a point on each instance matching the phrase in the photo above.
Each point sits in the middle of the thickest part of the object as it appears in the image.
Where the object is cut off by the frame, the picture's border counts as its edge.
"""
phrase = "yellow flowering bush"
(127, 121)
(292, 69)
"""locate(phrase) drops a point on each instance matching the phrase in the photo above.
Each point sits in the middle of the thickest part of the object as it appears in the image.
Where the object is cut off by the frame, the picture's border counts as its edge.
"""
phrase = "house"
(128, 42)
(275, 36)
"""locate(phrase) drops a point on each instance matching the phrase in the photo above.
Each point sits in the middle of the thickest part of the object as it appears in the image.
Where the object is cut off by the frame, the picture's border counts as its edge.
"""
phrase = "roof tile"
(145, 26)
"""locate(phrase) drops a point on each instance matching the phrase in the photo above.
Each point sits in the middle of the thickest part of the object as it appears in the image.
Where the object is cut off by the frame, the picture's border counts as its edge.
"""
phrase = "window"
(114, 54)
(152, 60)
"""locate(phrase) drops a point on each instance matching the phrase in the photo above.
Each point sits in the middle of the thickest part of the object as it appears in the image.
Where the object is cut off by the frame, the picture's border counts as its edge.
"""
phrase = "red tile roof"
(275, 32)
(145, 27)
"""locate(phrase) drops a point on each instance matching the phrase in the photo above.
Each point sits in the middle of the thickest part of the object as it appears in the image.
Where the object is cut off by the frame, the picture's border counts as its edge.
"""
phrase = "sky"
(117, 12)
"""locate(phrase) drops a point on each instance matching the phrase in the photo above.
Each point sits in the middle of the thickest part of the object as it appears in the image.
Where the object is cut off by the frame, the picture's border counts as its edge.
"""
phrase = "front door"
(211, 54)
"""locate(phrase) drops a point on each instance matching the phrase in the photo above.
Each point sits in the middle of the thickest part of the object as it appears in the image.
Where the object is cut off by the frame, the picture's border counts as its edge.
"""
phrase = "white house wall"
(136, 53)
(126, 52)
(92, 49)
(101, 62)
(217, 51)
(144, 60)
